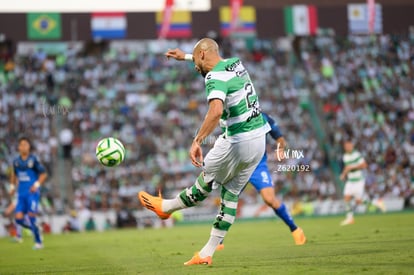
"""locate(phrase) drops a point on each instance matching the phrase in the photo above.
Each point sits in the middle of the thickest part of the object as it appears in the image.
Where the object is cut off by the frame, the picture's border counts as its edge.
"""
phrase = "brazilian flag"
(44, 26)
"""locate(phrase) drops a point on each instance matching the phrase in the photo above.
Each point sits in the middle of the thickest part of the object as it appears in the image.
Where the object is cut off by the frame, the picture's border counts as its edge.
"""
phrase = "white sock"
(169, 206)
(210, 247)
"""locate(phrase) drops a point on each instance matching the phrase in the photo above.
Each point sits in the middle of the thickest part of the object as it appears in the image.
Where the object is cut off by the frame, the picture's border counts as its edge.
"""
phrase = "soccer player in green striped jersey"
(353, 173)
(234, 105)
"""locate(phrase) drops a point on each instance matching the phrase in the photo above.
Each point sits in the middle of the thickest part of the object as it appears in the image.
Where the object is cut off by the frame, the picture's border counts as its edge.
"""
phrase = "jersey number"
(251, 102)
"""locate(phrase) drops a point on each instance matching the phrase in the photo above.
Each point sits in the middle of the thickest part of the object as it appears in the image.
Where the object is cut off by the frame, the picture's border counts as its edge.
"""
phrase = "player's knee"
(19, 216)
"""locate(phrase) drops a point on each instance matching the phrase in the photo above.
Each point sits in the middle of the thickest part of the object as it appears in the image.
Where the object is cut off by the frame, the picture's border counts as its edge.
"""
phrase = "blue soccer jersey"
(261, 177)
(27, 173)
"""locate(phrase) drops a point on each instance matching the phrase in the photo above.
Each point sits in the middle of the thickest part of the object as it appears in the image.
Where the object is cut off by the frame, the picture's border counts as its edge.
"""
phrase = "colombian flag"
(180, 24)
(245, 25)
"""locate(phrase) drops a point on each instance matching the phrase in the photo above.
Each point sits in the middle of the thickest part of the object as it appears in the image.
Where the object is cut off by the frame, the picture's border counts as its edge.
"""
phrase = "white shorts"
(354, 189)
(232, 164)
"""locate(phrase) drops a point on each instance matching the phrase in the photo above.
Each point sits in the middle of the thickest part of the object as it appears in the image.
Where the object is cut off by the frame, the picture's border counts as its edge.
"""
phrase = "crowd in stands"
(361, 88)
(366, 88)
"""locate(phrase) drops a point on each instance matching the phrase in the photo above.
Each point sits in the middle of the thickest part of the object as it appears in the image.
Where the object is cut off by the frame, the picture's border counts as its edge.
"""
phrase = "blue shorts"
(261, 176)
(27, 203)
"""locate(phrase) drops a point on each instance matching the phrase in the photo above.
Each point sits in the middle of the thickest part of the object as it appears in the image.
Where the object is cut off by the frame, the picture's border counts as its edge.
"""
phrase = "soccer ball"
(110, 152)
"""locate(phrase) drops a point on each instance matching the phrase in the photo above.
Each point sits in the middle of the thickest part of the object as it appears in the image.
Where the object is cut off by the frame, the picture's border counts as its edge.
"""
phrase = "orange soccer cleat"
(299, 236)
(197, 260)
(153, 203)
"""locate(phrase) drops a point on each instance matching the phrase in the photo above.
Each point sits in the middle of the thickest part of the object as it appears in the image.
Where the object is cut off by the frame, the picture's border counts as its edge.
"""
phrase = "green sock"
(196, 193)
(228, 210)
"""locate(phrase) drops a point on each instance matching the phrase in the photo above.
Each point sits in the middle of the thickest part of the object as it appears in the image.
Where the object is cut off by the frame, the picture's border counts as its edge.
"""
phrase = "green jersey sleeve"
(215, 88)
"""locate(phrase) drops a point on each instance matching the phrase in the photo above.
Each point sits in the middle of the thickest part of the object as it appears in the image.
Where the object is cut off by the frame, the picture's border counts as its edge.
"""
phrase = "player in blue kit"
(28, 175)
(262, 182)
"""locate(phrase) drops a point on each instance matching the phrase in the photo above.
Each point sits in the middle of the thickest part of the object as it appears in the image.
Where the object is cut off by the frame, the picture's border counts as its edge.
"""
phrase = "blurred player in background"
(353, 173)
(262, 182)
(234, 104)
(28, 174)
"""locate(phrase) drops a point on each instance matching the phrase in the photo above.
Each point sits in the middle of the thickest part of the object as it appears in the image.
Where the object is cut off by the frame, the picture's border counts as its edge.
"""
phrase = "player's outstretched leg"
(187, 198)
(222, 224)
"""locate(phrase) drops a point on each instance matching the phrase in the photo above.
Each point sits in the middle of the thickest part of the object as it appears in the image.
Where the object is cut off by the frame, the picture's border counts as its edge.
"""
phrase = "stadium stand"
(360, 87)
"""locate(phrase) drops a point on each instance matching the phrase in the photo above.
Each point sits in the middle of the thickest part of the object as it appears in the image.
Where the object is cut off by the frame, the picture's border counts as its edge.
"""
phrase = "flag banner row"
(114, 25)
(235, 20)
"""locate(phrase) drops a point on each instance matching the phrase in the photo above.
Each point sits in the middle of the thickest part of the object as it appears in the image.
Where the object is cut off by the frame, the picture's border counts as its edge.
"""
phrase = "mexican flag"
(301, 20)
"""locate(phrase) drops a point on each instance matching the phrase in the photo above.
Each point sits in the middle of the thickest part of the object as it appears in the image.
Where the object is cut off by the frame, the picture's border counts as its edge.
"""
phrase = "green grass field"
(375, 244)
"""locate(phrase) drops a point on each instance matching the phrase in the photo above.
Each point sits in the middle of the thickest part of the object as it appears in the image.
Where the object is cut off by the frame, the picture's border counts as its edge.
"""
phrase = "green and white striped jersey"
(353, 158)
(242, 118)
